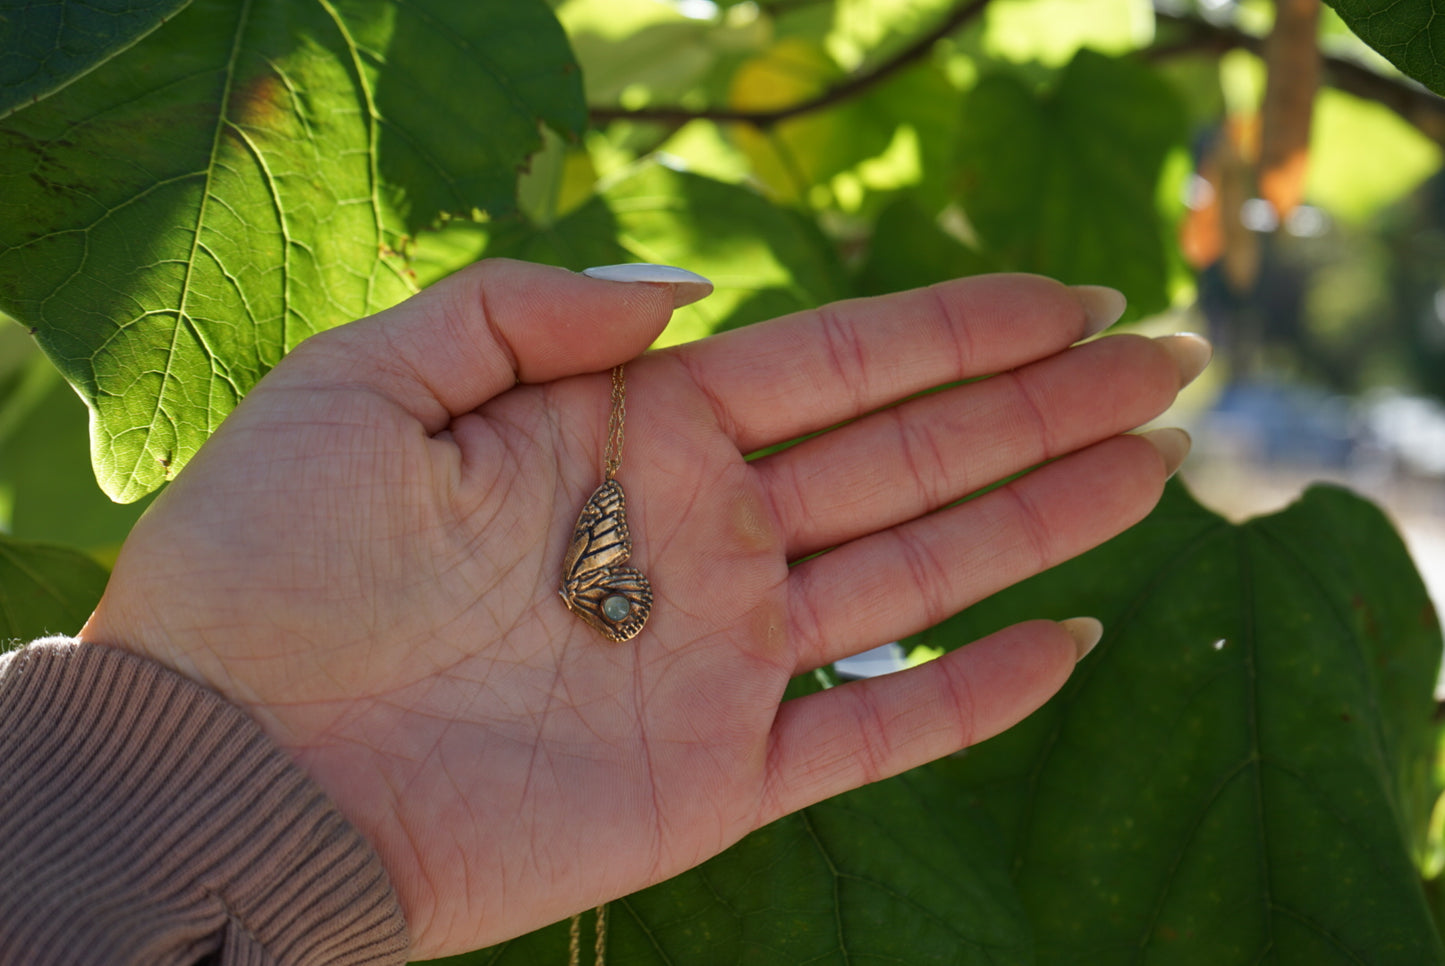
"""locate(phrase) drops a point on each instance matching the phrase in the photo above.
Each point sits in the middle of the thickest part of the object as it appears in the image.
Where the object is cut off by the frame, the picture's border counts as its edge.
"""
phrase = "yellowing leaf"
(793, 156)
(1363, 156)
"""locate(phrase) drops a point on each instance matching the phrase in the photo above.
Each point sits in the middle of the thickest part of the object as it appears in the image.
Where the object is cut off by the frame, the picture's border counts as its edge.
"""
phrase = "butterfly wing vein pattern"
(614, 599)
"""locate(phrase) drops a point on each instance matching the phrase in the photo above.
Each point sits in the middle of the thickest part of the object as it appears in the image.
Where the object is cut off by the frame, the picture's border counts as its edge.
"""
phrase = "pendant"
(614, 599)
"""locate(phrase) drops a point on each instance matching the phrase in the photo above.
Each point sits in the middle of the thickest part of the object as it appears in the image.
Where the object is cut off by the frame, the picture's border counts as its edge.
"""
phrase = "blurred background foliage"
(1251, 169)
(1279, 189)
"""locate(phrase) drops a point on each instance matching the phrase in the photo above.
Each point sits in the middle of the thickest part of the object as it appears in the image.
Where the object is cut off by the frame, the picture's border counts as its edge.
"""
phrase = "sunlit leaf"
(44, 589)
(1053, 31)
(44, 46)
(1063, 181)
(640, 53)
(1350, 138)
(1239, 772)
(174, 222)
(865, 32)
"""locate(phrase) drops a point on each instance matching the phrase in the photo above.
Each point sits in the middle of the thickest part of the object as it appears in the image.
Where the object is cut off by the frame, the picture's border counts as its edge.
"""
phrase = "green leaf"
(1062, 181)
(1239, 772)
(1409, 33)
(890, 873)
(176, 221)
(763, 260)
(910, 250)
(44, 46)
(641, 53)
(45, 467)
(44, 589)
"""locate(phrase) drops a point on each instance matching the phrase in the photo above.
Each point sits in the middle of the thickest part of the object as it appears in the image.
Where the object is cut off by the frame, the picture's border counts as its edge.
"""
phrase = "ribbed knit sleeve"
(145, 820)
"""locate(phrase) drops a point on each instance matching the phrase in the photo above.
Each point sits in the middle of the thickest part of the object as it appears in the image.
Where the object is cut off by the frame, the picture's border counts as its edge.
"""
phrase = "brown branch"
(1417, 105)
(955, 19)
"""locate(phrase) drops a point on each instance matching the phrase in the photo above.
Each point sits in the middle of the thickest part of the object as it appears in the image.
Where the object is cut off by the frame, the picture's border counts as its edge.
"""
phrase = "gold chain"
(611, 463)
(599, 946)
(612, 455)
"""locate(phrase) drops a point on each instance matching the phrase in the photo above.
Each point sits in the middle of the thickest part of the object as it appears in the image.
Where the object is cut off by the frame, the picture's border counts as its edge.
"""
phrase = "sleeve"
(145, 820)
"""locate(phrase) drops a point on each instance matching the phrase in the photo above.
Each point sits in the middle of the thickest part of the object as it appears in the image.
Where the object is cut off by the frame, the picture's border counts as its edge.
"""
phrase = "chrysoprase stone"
(616, 607)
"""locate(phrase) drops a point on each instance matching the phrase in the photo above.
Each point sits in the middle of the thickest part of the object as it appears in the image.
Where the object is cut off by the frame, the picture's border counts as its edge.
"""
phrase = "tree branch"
(1414, 103)
(1417, 105)
(854, 85)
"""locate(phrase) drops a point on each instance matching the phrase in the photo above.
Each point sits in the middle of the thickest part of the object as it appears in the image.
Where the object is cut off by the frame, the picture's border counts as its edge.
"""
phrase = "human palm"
(367, 554)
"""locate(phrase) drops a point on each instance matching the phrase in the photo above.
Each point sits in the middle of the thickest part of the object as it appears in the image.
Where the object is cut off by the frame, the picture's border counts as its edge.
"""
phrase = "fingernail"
(1102, 306)
(1190, 352)
(1172, 443)
(687, 287)
(1085, 631)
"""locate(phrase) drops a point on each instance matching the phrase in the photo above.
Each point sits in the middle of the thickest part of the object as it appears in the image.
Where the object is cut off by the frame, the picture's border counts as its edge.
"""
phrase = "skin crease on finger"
(380, 588)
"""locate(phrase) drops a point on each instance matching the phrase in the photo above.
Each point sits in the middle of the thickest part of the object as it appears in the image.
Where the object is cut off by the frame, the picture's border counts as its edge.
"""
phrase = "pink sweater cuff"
(145, 820)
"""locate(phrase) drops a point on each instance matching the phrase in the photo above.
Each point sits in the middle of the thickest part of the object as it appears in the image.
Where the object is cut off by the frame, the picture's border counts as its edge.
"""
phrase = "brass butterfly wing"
(615, 600)
(600, 539)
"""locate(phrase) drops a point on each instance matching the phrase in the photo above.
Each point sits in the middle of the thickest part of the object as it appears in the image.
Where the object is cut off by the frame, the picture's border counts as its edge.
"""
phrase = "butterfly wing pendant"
(614, 599)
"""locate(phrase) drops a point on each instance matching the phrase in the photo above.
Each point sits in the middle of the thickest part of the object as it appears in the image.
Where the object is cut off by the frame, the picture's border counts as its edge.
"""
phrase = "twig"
(955, 19)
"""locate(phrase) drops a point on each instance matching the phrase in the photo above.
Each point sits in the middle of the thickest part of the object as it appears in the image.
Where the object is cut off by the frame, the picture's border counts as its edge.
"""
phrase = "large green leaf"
(175, 221)
(44, 589)
(764, 260)
(1409, 33)
(890, 873)
(44, 46)
(1239, 772)
(1063, 181)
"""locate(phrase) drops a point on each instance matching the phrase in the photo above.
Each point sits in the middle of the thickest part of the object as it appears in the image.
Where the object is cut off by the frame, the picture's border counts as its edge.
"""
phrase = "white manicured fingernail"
(1086, 632)
(1102, 306)
(687, 287)
(1190, 352)
(1173, 445)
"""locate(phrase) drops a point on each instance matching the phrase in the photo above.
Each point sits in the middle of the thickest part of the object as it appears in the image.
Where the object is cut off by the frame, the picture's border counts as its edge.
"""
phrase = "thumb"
(475, 334)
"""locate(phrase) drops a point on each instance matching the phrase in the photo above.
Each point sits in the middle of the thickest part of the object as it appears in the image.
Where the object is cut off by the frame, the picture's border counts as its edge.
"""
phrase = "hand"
(366, 556)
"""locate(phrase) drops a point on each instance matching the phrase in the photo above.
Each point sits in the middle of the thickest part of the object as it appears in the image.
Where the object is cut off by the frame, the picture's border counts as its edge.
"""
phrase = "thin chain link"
(599, 946)
(612, 456)
(611, 463)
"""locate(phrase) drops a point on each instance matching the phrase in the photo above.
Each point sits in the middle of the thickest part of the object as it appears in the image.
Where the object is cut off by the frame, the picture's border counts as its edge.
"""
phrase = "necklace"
(599, 945)
(614, 599)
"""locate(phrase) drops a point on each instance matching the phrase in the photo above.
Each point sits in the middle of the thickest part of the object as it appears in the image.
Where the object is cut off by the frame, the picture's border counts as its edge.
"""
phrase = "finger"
(475, 334)
(897, 582)
(906, 461)
(828, 743)
(804, 372)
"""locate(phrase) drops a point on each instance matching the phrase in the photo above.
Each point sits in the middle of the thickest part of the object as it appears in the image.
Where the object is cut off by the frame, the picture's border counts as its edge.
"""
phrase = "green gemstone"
(616, 607)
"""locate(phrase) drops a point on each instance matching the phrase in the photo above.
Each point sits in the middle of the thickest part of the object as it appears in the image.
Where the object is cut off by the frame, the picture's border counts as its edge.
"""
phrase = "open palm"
(366, 556)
